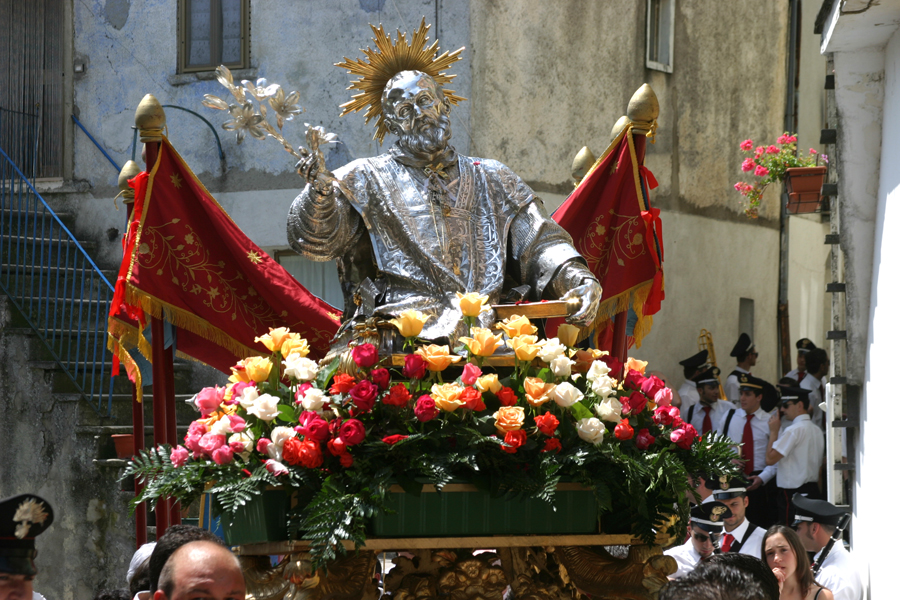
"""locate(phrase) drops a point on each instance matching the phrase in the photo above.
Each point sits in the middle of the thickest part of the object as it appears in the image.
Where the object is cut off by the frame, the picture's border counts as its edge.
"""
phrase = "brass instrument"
(705, 342)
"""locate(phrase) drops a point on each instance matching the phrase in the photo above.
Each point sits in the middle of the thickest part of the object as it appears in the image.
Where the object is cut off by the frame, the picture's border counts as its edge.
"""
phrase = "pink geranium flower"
(761, 171)
(746, 144)
(748, 164)
(773, 149)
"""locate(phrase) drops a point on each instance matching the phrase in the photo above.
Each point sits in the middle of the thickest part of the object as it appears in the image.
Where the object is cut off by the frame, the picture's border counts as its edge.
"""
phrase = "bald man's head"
(201, 568)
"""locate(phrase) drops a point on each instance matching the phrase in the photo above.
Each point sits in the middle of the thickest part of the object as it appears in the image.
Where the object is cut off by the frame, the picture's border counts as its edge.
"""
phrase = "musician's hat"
(816, 511)
(22, 518)
(726, 488)
(696, 361)
(708, 376)
(793, 394)
(743, 345)
(804, 345)
(710, 516)
(747, 381)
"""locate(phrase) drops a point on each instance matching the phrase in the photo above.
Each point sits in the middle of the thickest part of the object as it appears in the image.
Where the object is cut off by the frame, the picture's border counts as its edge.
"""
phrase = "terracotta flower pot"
(804, 188)
(124, 444)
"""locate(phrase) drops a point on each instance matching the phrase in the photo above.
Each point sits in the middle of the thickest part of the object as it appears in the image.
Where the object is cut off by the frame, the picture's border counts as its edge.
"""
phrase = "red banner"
(186, 261)
(618, 236)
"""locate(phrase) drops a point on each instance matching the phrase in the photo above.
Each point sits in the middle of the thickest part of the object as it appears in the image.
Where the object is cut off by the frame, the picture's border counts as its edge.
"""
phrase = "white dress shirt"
(760, 426)
(795, 375)
(733, 387)
(689, 394)
(752, 546)
(840, 574)
(815, 398)
(686, 557)
(801, 445)
(716, 415)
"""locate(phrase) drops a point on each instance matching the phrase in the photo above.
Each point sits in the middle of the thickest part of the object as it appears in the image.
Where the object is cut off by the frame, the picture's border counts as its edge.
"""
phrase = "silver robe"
(490, 233)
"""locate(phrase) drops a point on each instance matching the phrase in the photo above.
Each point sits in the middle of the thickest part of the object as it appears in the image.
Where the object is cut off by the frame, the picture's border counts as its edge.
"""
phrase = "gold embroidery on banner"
(254, 257)
(176, 180)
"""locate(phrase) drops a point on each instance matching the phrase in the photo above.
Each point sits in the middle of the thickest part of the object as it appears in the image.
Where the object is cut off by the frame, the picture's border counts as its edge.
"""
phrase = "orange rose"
(437, 358)
(482, 342)
(294, 342)
(509, 418)
(446, 396)
(525, 347)
(537, 391)
(472, 304)
(585, 358)
(517, 325)
(637, 365)
(274, 338)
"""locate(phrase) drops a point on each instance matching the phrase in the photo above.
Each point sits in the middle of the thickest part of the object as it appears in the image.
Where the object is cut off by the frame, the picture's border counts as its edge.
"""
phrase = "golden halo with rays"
(388, 59)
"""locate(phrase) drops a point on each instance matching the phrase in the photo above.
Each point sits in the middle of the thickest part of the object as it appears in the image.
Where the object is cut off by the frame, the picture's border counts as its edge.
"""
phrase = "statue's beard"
(428, 137)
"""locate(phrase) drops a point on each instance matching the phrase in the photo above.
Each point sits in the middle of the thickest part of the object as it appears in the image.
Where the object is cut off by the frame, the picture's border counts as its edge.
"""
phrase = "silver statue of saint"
(412, 227)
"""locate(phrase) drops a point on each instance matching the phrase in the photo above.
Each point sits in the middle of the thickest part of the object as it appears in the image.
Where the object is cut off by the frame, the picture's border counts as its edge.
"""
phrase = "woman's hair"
(804, 574)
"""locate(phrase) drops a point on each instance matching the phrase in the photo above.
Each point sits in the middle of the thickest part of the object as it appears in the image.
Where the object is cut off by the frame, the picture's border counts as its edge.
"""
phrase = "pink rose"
(663, 397)
(772, 150)
(425, 409)
(652, 385)
(746, 145)
(665, 415)
(761, 171)
(364, 394)
(312, 426)
(223, 455)
(301, 392)
(209, 399)
(210, 442)
(276, 468)
(634, 379)
(414, 366)
(237, 390)
(262, 445)
(353, 432)
(644, 439)
(178, 456)
(381, 378)
(684, 436)
(365, 355)
(238, 424)
(748, 164)
(470, 374)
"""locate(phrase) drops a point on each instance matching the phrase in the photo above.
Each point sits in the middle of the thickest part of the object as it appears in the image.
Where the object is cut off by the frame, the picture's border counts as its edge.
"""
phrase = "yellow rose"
(472, 304)
(525, 347)
(509, 418)
(568, 334)
(537, 391)
(410, 323)
(254, 368)
(517, 325)
(274, 338)
(446, 396)
(488, 383)
(637, 365)
(294, 343)
(437, 358)
(482, 342)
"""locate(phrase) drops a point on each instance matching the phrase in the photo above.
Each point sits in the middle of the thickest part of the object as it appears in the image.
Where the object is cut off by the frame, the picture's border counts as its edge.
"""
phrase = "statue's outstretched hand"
(312, 168)
(590, 294)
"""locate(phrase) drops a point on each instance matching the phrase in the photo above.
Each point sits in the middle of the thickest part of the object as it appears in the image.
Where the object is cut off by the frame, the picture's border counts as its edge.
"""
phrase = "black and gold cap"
(22, 519)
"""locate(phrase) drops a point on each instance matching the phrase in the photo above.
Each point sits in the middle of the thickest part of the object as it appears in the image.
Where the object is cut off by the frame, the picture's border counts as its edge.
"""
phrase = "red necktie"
(747, 448)
(726, 545)
(707, 422)
(802, 375)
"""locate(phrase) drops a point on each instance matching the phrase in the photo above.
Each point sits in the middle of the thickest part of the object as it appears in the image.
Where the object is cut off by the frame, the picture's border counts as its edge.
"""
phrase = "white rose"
(265, 407)
(561, 366)
(551, 349)
(591, 430)
(565, 394)
(603, 386)
(245, 438)
(609, 410)
(221, 427)
(313, 399)
(249, 396)
(598, 369)
(300, 368)
(279, 436)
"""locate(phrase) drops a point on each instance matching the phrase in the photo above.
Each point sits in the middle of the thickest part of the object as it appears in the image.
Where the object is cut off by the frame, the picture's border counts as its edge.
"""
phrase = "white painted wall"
(808, 304)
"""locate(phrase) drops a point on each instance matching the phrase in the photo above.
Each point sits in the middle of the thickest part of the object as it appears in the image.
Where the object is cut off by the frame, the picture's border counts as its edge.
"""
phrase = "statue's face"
(412, 102)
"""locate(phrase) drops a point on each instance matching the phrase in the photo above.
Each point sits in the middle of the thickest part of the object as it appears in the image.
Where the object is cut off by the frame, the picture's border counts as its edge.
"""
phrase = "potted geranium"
(802, 175)
(354, 448)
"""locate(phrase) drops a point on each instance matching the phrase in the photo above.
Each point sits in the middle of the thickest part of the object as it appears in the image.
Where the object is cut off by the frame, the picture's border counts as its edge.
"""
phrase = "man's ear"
(746, 501)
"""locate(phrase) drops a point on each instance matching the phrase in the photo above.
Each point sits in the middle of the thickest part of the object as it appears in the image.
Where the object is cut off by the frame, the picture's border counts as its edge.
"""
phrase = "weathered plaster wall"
(808, 304)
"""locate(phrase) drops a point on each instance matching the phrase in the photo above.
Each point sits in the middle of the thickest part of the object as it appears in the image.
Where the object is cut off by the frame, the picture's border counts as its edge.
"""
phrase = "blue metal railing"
(19, 135)
(96, 143)
(55, 285)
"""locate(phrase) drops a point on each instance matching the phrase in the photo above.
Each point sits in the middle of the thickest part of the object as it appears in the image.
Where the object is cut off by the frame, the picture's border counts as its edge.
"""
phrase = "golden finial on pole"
(582, 163)
(129, 171)
(150, 119)
(621, 124)
(643, 109)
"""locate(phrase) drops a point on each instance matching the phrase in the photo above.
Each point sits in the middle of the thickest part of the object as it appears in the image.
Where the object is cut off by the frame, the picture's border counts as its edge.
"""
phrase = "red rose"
(684, 436)
(514, 440)
(310, 454)
(472, 398)
(507, 396)
(393, 439)
(634, 379)
(637, 401)
(615, 366)
(365, 355)
(425, 409)
(552, 445)
(342, 383)
(644, 440)
(677, 422)
(313, 426)
(346, 460)
(353, 432)
(623, 431)
(547, 423)
(364, 394)
(290, 451)
(337, 447)
(664, 415)
(398, 396)
(414, 366)
(652, 385)
(382, 378)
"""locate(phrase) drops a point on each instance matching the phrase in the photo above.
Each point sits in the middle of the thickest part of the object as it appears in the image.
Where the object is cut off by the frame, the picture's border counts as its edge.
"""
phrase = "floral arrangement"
(768, 164)
(341, 439)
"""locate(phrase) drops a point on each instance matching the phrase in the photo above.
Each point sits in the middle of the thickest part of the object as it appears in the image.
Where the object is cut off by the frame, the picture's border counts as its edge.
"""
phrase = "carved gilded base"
(533, 573)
